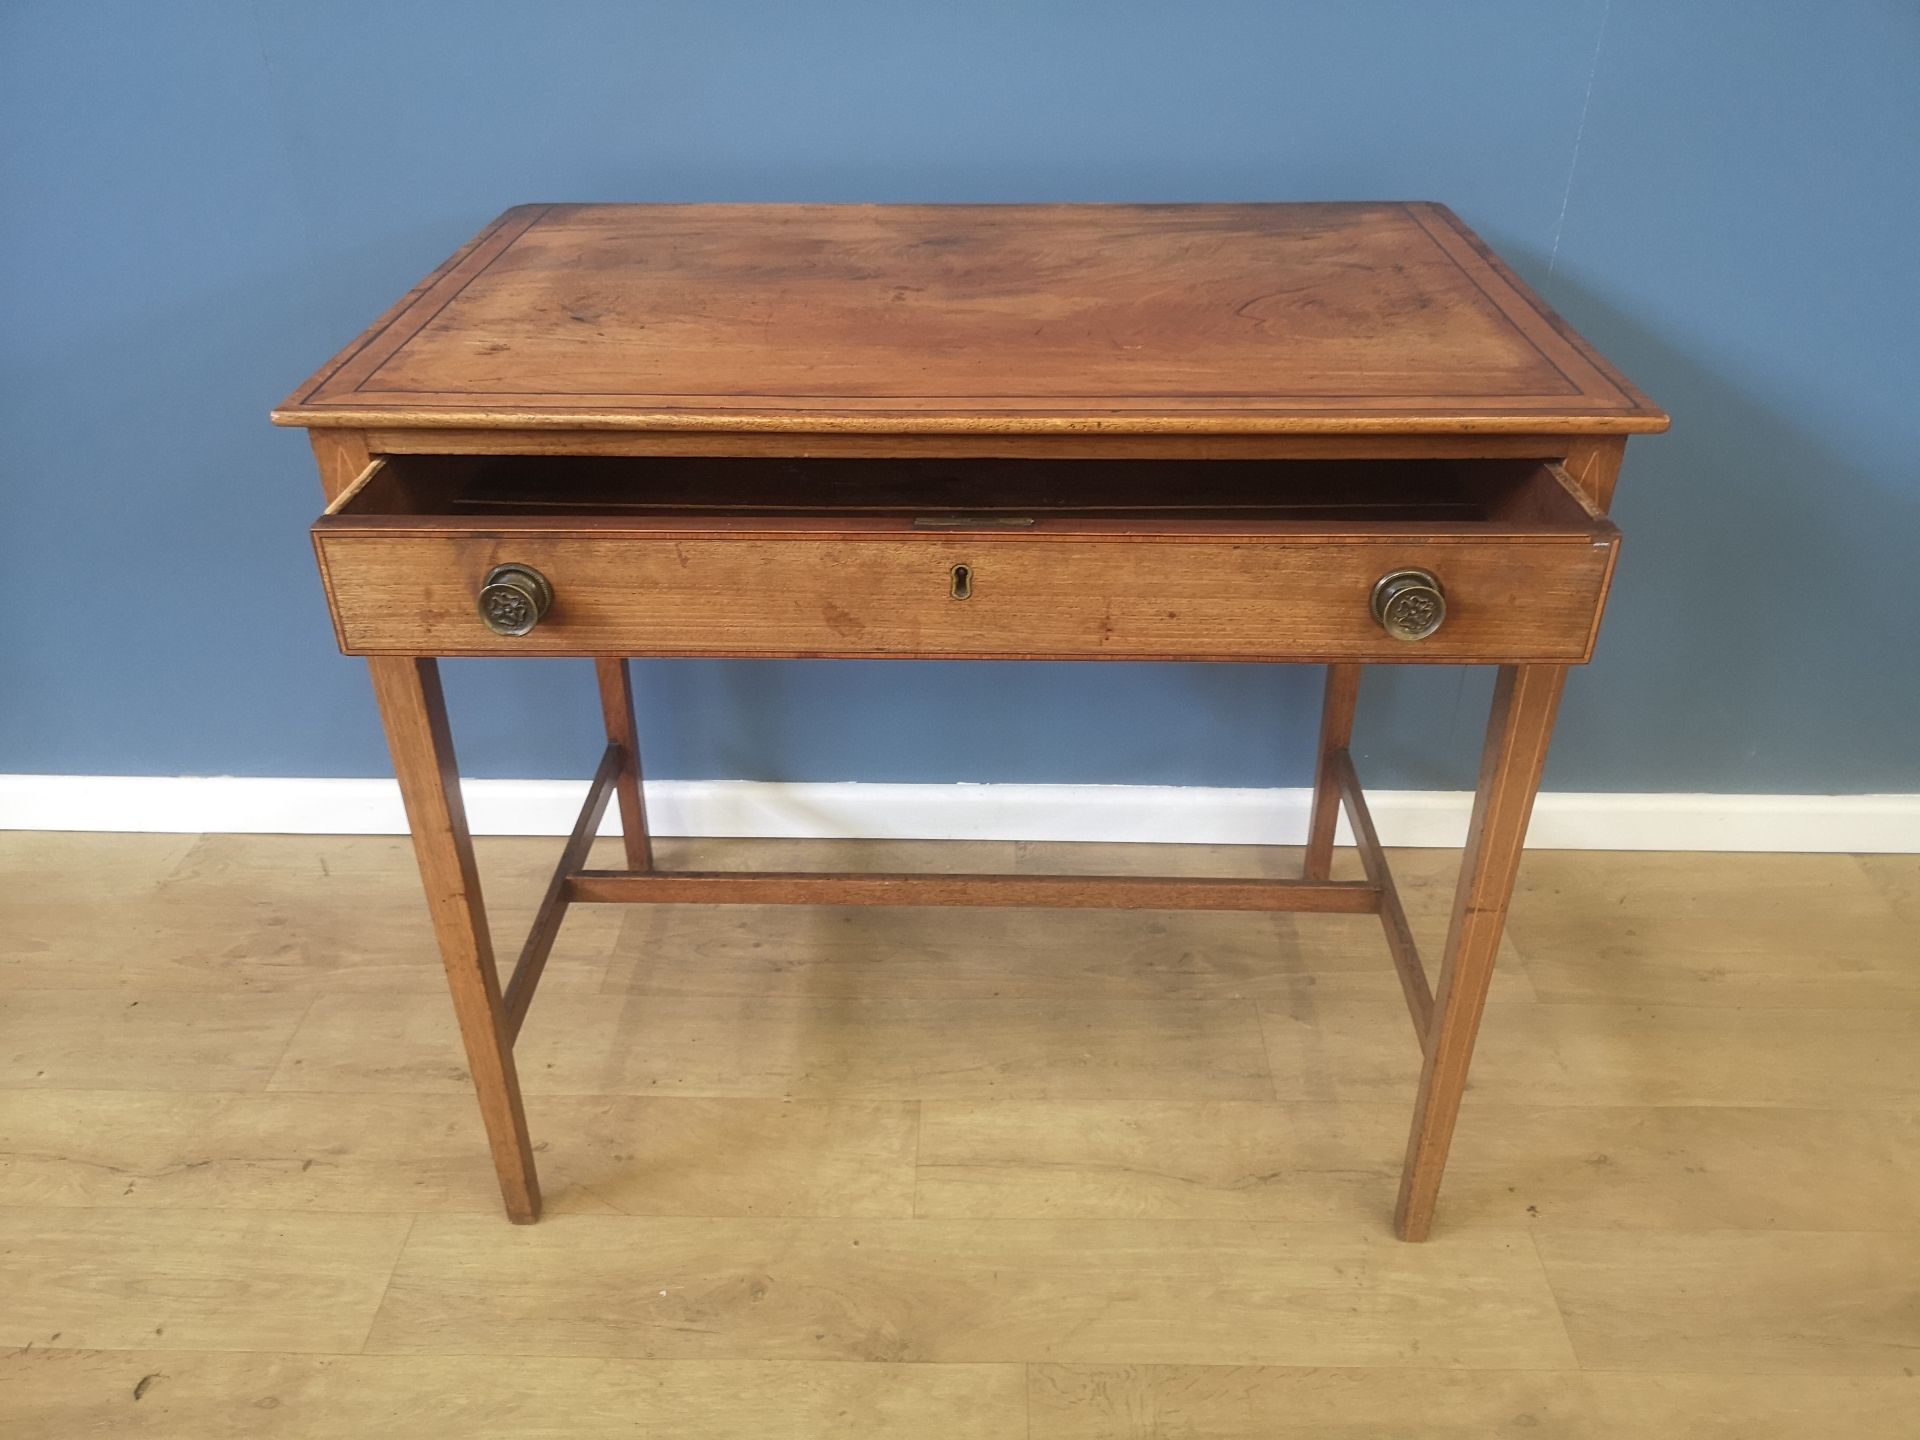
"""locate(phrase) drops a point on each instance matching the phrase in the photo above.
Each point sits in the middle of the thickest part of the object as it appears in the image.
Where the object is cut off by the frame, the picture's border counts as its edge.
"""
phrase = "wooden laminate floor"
(1039, 1175)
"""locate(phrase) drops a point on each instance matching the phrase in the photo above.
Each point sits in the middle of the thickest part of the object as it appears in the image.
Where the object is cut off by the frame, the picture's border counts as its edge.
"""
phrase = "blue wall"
(199, 202)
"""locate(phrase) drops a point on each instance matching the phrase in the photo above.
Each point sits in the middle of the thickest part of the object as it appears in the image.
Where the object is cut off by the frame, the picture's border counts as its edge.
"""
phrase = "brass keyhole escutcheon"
(962, 587)
(513, 599)
(1409, 604)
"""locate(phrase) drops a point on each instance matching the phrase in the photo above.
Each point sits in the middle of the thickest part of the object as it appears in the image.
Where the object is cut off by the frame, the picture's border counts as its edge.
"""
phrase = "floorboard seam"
(266, 1086)
(1559, 1306)
(392, 1270)
(919, 1133)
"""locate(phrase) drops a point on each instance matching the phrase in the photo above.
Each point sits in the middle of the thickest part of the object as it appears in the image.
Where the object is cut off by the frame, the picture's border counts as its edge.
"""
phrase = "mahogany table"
(1342, 435)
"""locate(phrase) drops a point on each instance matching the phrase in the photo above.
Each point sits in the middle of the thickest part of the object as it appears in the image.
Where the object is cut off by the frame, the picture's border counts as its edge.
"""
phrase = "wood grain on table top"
(985, 319)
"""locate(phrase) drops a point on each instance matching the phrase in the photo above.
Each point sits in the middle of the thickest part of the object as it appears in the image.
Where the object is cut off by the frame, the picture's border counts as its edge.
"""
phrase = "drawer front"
(1277, 597)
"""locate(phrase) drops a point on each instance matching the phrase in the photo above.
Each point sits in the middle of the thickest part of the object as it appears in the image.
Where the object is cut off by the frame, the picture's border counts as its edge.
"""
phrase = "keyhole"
(962, 581)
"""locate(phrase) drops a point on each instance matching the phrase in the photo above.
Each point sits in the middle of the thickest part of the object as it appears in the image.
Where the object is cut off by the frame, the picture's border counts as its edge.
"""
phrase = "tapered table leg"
(1524, 702)
(1336, 730)
(415, 713)
(616, 704)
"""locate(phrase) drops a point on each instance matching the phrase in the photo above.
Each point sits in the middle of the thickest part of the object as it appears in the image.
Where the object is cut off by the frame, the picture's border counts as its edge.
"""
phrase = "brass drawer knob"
(513, 598)
(1409, 604)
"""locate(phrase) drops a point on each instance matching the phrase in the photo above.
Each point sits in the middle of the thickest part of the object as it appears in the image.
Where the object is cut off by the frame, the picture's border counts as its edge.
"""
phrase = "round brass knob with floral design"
(513, 598)
(1409, 604)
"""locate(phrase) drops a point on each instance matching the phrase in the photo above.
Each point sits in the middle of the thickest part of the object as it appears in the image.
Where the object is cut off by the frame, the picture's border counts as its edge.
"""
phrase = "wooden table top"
(984, 319)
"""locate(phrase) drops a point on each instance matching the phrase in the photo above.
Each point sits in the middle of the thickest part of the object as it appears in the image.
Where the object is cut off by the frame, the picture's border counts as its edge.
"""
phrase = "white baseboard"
(1168, 813)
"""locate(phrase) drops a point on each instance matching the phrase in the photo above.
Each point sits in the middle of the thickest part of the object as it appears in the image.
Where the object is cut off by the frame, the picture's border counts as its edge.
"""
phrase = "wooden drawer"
(1221, 561)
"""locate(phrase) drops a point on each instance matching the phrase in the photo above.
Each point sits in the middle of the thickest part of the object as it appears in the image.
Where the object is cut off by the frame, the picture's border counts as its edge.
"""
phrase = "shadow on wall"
(956, 721)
